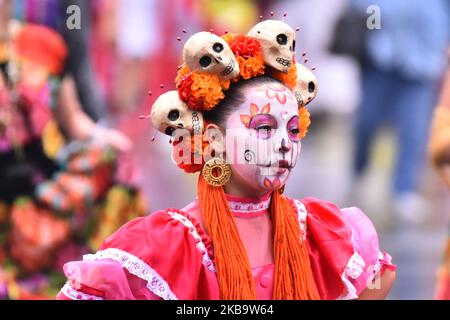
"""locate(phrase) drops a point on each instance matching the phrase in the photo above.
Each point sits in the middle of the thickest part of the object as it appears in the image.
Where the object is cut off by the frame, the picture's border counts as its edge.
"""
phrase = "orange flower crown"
(211, 64)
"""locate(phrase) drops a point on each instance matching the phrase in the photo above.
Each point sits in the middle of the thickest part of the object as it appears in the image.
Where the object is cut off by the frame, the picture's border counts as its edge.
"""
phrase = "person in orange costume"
(440, 156)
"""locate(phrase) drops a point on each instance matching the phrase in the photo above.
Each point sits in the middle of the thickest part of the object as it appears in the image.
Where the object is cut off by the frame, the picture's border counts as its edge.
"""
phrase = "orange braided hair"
(293, 273)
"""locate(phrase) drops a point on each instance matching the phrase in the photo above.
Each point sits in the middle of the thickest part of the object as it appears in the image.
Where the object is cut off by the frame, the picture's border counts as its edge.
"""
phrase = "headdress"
(212, 64)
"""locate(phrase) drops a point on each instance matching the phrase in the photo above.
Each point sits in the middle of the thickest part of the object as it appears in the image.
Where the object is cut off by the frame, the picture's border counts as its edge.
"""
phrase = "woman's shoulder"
(357, 224)
(348, 222)
(170, 232)
(151, 256)
(349, 231)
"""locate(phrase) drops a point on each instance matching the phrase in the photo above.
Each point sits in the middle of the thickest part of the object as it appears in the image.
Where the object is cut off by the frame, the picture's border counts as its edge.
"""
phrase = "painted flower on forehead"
(277, 91)
(254, 110)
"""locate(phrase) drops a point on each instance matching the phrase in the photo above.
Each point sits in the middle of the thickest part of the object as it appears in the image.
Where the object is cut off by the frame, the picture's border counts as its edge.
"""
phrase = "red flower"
(194, 161)
(43, 46)
(245, 46)
(184, 85)
(184, 88)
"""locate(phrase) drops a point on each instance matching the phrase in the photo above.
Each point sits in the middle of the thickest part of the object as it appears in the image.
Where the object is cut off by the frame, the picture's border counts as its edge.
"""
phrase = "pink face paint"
(263, 124)
(265, 127)
(278, 92)
(290, 96)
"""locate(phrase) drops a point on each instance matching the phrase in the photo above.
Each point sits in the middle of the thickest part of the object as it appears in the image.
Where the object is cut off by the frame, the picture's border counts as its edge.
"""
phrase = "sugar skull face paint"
(265, 143)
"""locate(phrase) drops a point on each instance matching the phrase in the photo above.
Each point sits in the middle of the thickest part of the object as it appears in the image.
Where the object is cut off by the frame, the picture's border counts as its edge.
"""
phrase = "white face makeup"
(265, 144)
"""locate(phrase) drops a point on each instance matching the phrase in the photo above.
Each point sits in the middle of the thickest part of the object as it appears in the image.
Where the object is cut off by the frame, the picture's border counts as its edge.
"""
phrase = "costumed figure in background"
(58, 200)
(440, 157)
(238, 116)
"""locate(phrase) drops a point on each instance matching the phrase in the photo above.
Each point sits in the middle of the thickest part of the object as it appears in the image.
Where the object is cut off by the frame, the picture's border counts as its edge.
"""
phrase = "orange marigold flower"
(248, 53)
(228, 37)
(201, 91)
(303, 122)
(245, 46)
(191, 166)
(251, 67)
(208, 88)
(184, 71)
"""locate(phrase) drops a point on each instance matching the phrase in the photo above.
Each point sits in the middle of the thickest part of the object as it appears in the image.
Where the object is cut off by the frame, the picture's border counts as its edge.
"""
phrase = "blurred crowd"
(85, 162)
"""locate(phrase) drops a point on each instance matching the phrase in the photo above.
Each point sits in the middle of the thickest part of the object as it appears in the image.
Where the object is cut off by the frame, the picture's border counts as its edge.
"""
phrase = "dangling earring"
(216, 172)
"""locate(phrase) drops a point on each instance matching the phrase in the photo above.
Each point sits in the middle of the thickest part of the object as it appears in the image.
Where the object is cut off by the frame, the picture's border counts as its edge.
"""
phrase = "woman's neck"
(238, 188)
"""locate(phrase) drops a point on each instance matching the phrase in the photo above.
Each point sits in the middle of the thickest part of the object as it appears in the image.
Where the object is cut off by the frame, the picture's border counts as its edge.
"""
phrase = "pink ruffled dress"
(168, 254)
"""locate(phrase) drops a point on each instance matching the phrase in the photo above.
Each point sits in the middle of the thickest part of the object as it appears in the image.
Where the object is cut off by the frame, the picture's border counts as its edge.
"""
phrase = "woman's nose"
(285, 145)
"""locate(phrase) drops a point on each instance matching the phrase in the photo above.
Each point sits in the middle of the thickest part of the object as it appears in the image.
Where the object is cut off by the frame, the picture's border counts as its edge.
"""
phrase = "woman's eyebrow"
(295, 117)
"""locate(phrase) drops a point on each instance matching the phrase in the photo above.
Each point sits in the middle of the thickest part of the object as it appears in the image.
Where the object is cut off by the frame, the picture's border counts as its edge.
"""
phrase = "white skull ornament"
(277, 40)
(170, 113)
(306, 88)
(207, 52)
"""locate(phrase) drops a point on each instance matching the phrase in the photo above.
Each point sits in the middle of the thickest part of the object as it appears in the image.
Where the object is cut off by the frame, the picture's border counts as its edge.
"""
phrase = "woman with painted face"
(238, 117)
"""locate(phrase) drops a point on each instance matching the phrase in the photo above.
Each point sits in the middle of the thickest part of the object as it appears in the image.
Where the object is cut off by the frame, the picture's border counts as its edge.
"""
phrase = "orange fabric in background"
(42, 46)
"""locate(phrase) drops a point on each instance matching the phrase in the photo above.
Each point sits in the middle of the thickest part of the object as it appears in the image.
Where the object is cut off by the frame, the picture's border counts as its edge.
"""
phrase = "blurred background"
(367, 145)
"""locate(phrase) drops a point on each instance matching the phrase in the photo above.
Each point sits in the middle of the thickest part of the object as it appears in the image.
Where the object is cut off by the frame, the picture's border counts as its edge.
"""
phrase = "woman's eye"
(263, 132)
(264, 128)
(295, 131)
(294, 134)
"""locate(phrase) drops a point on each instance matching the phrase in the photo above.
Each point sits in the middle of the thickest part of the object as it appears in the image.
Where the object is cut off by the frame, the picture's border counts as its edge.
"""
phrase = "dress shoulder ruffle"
(344, 249)
(162, 256)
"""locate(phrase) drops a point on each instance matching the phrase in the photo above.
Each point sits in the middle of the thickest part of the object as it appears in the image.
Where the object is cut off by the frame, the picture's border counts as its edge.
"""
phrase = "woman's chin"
(275, 182)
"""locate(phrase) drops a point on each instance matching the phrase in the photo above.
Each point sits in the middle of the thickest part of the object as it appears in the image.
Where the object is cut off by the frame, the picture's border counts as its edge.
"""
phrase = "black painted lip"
(284, 164)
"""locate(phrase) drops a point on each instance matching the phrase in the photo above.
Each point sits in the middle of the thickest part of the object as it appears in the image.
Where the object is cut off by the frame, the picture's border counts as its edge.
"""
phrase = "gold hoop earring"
(216, 172)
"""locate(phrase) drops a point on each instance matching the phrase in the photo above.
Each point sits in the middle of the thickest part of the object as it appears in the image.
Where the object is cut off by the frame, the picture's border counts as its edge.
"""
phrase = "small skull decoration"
(170, 113)
(278, 43)
(306, 89)
(207, 52)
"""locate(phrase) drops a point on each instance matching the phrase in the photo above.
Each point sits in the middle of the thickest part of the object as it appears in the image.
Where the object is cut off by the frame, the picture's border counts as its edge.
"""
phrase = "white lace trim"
(73, 294)
(301, 211)
(377, 266)
(137, 267)
(245, 208)
(386, 258)
(354, 269)
(355, 265)
(207, 262)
